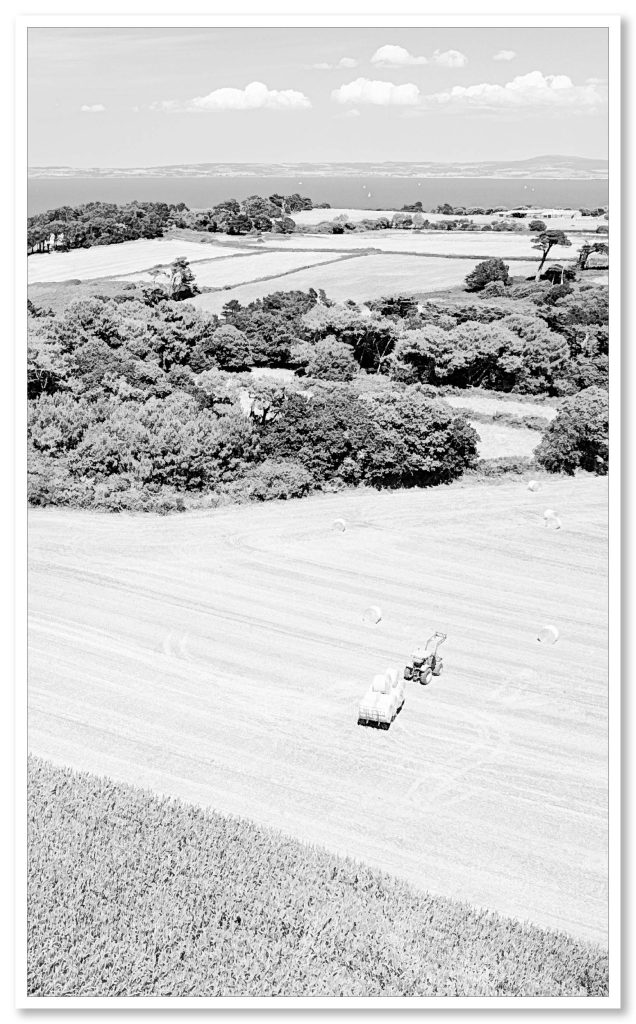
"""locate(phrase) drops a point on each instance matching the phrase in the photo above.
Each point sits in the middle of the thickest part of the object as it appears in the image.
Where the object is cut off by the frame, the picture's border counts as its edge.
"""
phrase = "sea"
(372, 193)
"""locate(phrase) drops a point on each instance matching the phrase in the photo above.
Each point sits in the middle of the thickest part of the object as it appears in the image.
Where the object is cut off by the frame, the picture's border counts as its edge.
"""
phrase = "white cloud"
(344, 62)
(93, 108)
(450, 58)
(504, 55)
(353, 112)
(531, 91)
(255, 96)
(395, 57)
(379, 94)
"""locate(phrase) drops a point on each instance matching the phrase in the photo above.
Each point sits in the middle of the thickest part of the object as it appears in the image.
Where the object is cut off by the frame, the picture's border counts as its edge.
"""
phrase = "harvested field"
(116, 260)
(218, 273)
(220, 657)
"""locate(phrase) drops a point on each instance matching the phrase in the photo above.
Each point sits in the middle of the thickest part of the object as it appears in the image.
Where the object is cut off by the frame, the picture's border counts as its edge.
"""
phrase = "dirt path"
(220, 658)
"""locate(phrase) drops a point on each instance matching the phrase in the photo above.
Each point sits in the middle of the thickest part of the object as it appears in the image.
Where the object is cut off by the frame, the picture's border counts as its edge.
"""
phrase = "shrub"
(276, 479)
(484, 273)
(578, 436)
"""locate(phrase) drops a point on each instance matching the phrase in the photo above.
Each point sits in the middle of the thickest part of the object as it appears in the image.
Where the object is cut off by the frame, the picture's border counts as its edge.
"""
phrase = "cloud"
(534, 91)
(379, 94)
(93, 108)
(450, 58)
(344, 62)
(398, 57)
(395, 57)
(353, 112)
(504, 55)
(255, 96)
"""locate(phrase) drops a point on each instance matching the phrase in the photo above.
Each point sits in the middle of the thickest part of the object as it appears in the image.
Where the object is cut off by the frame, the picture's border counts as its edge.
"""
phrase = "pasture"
(219, 657)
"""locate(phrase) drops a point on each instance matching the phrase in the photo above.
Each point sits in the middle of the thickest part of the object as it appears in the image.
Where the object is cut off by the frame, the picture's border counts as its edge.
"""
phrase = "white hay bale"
(372, 615)
(392, 676)
(340, 525)
(380, 684)
(548, 635)
(534, 485)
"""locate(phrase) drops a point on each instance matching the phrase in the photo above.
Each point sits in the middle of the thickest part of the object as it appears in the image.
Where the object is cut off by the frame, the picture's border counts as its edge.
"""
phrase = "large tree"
(545, 241)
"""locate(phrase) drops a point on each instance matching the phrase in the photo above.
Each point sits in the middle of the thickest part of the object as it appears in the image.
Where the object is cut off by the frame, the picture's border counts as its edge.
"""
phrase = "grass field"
(220, 657)
(206, 905)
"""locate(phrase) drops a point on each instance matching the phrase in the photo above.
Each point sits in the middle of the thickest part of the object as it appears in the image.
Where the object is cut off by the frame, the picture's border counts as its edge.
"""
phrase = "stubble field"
(220, 657)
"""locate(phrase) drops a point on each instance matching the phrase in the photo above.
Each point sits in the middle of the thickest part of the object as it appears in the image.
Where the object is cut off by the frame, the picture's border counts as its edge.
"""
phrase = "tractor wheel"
(408, 672)
(437, 671)
(426, 677)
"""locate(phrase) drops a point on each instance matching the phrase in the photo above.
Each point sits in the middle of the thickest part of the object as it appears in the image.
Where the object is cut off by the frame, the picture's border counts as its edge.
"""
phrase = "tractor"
(426, 661)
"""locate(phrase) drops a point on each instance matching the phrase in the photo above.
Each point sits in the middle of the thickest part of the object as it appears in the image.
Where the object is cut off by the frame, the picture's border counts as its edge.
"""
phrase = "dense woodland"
(80, 227)
(140, 400)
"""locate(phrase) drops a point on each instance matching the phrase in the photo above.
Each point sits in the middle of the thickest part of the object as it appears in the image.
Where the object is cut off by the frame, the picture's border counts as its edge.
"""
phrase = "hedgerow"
(130, 894)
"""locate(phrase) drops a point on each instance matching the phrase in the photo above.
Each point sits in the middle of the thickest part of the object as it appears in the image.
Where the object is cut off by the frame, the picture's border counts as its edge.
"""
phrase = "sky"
(126, 97)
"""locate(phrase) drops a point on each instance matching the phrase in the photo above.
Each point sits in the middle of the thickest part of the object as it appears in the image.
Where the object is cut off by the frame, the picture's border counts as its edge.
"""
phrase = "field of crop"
(211, 906)
(116, 260)
(220, 657)
(218, 273)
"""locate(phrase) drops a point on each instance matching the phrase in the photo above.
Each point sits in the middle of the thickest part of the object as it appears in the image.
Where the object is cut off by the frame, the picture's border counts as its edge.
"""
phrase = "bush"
(276, 479)
(484, 273)
(578, 436)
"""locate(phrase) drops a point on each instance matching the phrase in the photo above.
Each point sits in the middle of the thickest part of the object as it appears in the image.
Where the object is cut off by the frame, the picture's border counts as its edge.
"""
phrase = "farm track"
(220, 657)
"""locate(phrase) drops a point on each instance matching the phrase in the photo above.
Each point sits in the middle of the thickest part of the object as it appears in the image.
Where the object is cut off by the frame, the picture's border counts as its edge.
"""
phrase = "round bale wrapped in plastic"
(534, 485)
(548, 635)
(380, 683)
(372, 615)
(339, 525)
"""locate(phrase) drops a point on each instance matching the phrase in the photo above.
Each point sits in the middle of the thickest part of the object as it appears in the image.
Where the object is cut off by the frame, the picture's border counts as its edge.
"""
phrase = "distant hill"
(551, 166)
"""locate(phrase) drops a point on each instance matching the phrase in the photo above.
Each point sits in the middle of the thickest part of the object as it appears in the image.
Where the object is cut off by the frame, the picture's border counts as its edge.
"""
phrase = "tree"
(545, 242)
(328, 359)
(586, 251)
(485, 272)
(329, 433)
(372, 337)
(182, 284)
(417, 440)
(537, 225)
(578, 436)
